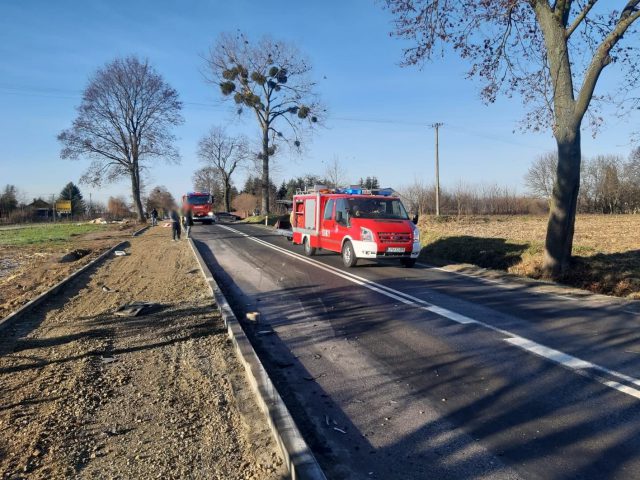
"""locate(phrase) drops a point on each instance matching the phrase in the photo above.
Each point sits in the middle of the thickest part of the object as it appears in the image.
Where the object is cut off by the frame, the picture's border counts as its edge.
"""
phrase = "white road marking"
(577, 365)
(456, 317)
(508, 286)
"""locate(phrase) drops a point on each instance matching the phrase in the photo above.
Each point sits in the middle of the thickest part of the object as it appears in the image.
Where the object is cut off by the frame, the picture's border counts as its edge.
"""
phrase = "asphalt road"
(395, 373)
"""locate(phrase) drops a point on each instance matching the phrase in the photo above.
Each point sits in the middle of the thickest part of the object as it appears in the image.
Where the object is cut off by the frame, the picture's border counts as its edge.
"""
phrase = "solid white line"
(506, 285)
(554, 355)
(359, 281)
(576, 364)
(456, 317)
(568, 361)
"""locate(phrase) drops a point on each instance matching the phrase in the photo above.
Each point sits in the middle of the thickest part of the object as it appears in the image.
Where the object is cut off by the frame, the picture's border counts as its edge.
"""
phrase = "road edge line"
(297, 455)
(31, 304)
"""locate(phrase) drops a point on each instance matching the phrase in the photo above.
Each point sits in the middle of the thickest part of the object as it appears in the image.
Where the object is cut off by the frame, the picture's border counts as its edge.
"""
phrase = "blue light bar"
(353, 191)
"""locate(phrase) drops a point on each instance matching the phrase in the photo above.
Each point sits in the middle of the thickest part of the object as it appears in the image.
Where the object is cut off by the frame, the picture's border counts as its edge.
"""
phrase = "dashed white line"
(577, 365)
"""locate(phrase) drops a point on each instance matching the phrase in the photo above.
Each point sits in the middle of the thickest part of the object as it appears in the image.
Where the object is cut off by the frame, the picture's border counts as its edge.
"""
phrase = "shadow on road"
(529, 413)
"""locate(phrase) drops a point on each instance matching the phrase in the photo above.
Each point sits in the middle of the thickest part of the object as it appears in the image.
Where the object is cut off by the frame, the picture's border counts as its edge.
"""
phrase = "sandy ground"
(28, 270)
(87, 394)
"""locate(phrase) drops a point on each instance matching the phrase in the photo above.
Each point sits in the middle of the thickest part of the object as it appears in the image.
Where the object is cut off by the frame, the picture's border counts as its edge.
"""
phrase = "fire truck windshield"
(387, 208)
(198, 199)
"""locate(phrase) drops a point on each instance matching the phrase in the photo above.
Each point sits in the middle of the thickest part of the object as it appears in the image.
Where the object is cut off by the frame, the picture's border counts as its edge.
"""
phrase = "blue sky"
(378, 112)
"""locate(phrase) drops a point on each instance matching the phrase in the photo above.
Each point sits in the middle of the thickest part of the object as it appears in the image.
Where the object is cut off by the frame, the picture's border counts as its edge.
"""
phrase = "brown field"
(606, 248)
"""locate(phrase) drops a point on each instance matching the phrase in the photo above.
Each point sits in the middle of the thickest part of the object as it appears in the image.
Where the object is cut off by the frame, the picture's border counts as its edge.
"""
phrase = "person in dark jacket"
(154, 217)
(175, 224)
(188, 222)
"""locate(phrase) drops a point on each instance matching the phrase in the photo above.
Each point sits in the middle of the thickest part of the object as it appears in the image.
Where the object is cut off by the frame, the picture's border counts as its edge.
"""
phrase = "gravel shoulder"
(89, 394)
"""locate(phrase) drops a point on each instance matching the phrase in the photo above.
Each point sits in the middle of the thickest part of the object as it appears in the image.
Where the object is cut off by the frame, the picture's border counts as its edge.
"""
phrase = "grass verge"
(46, 233)
(606, 248)
(260, 219)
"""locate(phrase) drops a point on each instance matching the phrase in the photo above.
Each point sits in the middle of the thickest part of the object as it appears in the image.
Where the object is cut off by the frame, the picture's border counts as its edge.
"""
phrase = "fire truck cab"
(201, 206)
(356, 223)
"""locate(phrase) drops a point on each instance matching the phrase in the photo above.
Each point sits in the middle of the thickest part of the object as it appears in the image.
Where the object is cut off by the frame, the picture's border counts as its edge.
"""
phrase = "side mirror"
(415, 219)
(338, 217)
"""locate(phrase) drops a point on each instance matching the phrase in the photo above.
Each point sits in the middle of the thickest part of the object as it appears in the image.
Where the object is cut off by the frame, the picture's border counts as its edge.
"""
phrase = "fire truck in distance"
(356, 223)
(201, 206)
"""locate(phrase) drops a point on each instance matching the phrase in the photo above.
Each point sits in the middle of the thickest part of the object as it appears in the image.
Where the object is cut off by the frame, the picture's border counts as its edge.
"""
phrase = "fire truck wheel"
(348, 255)
(308, 249)
(408, 262)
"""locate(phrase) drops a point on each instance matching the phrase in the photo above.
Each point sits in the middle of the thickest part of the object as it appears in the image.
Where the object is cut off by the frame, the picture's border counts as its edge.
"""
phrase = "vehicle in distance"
(201, 206)
(356, 223)
(226, 217)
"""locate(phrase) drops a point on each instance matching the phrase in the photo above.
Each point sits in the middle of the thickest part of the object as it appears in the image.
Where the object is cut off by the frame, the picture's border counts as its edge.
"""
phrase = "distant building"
(41, 209)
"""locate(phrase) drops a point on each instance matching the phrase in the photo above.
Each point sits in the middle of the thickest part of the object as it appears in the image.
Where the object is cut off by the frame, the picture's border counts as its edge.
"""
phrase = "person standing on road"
(154, 217)
(175, 224)
(188, 222)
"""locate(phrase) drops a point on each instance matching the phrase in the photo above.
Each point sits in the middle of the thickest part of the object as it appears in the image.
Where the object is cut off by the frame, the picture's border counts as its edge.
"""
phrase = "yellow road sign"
(63, 206)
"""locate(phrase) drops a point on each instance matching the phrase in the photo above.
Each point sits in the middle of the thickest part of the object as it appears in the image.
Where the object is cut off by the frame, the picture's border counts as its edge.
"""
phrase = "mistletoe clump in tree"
(271, 79)
(550, 53)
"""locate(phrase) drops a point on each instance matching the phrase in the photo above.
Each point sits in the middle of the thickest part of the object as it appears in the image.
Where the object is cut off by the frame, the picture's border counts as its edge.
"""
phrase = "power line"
(65, 94)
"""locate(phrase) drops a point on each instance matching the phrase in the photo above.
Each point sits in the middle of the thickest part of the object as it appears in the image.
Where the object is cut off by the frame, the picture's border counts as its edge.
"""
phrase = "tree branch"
(601, 58)
(581, 16)
(561, 10)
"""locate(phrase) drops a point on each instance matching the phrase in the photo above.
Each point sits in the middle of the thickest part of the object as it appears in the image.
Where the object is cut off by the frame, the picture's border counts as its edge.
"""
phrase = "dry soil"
(88, 394)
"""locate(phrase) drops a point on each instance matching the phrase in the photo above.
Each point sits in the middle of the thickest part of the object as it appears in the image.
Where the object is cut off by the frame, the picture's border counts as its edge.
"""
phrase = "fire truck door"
(342, 221)
(327, 230)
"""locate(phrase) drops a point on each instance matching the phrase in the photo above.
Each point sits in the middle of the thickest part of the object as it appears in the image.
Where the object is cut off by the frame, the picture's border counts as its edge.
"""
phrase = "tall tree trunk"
(559, 241)
(135, 191)
(227, 194)
(265, 171)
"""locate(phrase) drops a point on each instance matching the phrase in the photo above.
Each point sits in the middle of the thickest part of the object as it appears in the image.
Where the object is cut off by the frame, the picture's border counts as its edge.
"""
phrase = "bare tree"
(207, 179)
(418, 196)
(541, 176)
(245, 203)
(123, 124)
(161, 199)
(335, 172)
(223, 154)
(551, 54)
(117, 207)
(269, 78)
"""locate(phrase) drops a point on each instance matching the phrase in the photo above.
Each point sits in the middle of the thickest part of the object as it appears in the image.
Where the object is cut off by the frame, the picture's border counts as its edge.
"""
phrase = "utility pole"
(436, 126)
(53, 205)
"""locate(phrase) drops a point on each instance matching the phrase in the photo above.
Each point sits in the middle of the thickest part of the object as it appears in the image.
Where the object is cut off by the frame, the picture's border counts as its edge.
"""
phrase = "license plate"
(395, 249)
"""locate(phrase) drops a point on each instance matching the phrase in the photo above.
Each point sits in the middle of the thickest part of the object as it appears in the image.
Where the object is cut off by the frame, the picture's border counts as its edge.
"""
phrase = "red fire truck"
(201, 206)
(355, 222)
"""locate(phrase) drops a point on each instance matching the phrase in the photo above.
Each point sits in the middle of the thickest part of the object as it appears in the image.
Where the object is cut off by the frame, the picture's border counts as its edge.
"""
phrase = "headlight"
(416, 234)
(210, 214)
(366, 235)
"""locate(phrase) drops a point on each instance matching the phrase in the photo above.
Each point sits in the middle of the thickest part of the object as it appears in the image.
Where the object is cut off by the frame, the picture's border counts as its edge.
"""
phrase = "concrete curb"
(296, 453)
(141, 231)
(27, 307)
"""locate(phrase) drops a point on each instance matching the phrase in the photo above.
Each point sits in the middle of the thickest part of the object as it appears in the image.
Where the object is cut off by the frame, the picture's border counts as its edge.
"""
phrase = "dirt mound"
(74, 255)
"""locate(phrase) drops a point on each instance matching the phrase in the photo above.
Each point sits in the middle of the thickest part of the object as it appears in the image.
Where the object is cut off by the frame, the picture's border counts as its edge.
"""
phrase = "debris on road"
(120, 253)
(132, 309)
